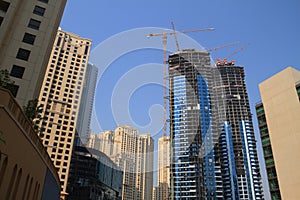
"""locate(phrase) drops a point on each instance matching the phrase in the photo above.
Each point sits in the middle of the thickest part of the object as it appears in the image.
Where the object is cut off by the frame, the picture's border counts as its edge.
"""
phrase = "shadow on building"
(26, 170)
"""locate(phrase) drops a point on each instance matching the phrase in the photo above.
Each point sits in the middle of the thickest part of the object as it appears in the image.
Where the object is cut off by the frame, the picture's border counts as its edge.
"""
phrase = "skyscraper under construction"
(213, 147)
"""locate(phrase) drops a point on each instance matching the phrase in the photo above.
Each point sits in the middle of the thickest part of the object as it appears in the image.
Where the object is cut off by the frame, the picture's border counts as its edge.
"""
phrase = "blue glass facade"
(212, 140)
(228, 163)
(207, 138)
(253, 179)
(184, 186)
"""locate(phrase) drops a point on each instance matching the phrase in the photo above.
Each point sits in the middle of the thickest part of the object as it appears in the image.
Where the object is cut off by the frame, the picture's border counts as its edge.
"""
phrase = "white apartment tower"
(144, 169)
(27, 32)
(86, 103)
(60, 97)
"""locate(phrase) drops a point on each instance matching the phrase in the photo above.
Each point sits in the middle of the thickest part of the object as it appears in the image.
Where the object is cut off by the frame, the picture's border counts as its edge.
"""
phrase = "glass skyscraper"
(213, 146)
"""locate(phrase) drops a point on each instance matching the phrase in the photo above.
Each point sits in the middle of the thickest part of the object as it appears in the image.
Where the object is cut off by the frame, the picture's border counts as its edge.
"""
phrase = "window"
(34, 24)
(298, 91)
(86, 50)
(58, 41)
(23, 54)
(29, 38)
(4, 6)
(39, 10)
(44, 1)
(17, 71)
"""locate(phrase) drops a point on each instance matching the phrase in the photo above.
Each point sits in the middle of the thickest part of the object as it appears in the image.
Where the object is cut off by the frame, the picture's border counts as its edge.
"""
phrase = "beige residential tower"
(60, 98)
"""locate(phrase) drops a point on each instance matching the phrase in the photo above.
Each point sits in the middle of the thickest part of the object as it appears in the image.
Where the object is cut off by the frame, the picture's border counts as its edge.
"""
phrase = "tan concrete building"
(94, 141)
(280, 96)
(27, 32)
(133, 154)
(106, 142)
(60, 97)
(26, 170)
(124, 155)
(144, 167)
(164, 157)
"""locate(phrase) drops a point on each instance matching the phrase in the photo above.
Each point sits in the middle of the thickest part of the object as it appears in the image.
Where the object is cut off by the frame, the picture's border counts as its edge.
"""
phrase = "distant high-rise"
(106, 142)
(124, 155)
(60, 97)
(278, 120)
(144, 167)
(28, 29)
(86, 103)
(133, 154)
(213, 147)
(163, 188)
(94, 142)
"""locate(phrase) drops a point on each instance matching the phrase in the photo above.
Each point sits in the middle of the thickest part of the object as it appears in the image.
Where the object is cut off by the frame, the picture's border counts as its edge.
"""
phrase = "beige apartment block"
(124, 155)
(106, 142)
(60, 97)
(164, 157)
(27, 32)
(144, 167)
(94, 141)
(280, 98)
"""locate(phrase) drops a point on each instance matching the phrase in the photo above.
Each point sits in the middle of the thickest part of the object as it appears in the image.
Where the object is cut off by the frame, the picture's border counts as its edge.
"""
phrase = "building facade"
(106, 140)
(93, 175)
(163, 188)
(133, 154)
(213, 149)
(26, 170)
(278, 120)
(144, 167)
(60, 99)
(124, 155)
(28, 30)
(86, 103)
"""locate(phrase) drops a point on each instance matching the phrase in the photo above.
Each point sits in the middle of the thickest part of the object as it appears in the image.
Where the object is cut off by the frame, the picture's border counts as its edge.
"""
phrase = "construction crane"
(223, 46)
(164, 35)
(220, 62)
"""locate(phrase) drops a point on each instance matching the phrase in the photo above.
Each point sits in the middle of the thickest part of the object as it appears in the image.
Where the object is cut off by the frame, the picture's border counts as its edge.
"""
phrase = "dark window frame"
(4, 6)
(29, 38)
(38, 10)
(34, 24)
(23, 54)
(44, 1)
(17, 71)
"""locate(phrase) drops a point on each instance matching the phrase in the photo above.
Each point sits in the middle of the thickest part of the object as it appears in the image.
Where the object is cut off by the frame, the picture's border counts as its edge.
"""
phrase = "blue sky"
(270, 27)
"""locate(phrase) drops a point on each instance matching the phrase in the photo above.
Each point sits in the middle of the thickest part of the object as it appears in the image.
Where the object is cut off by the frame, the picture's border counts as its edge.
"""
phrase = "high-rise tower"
(28, 29)
(213, 147)
(124, 155)
(144, 167)
(163, 188)
(60, 97)
(86, 103)
(278, 120)
(106, 144)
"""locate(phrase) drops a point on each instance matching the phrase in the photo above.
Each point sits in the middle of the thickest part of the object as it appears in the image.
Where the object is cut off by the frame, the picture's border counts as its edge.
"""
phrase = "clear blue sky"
(270, 27)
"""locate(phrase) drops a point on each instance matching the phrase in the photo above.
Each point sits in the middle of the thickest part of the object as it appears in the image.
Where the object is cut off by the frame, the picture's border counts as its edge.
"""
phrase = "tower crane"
(223, 46)
(164, 35)
(220, 62)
